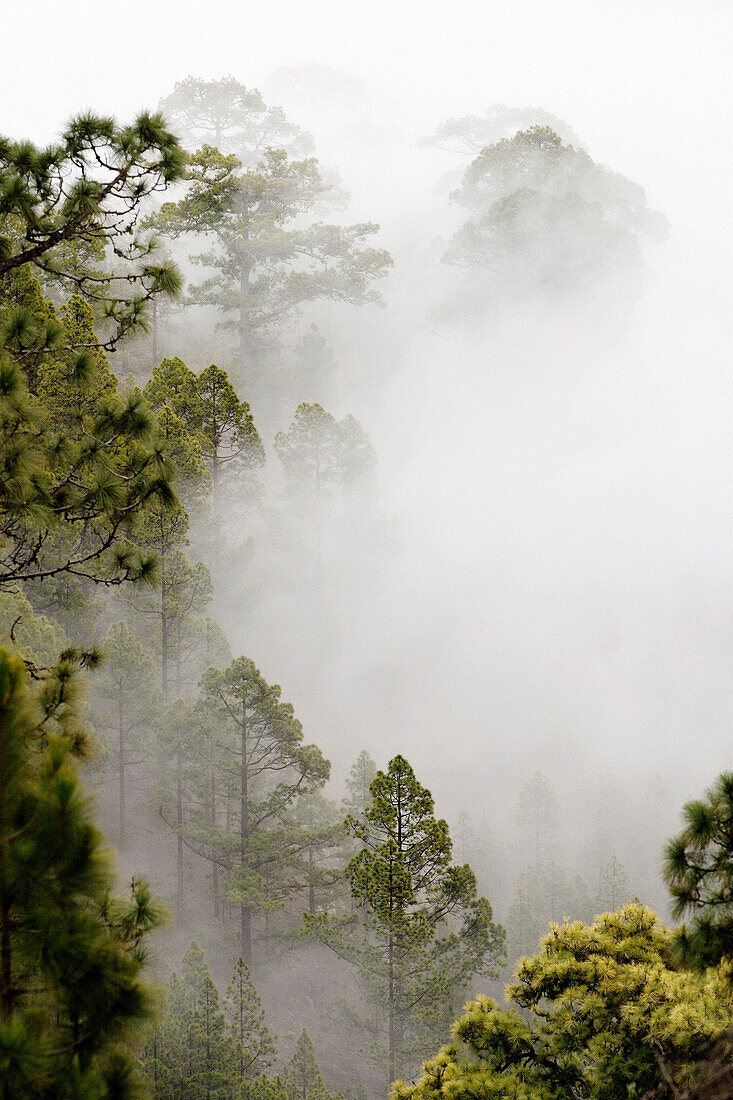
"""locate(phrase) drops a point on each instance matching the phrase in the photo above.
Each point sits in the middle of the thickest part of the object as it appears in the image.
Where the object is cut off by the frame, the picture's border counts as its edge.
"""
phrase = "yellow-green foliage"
(35, 638)
(612, 1015)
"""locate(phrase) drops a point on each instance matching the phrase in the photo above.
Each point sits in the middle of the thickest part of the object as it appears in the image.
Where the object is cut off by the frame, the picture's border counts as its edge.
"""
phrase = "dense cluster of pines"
(127, 497)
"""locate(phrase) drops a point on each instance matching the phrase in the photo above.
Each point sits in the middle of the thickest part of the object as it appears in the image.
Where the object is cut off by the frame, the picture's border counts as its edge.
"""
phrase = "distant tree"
(542, 213)
(72, 997)
(191, 1056)
(421, 932)
(544, 892)
(319, 453)
(472, 133)
(128, 687)
(208, 406)
(535, 240)
(263, 767)
(184, 589)
(313, 365)
(254, 1045)
(183, 593)
(304, 1070)
(212, 1053)
(232, 118)
(358, 785)
(537, 813)
(322, 837)
(74, 209)
(613, 885)
(268, 258)
(698, 868)
(465, 837)
(178, 745)
(538, 160)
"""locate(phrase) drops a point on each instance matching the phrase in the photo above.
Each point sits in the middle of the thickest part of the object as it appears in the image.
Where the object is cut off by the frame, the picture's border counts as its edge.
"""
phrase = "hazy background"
(554, 586)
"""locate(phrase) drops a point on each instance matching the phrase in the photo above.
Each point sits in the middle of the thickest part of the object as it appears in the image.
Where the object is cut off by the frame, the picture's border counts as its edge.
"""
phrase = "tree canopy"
(74, 211)
(610, 1016)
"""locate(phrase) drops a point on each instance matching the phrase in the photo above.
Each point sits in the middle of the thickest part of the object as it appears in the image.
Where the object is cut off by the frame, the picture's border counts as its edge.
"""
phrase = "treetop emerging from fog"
(233, 118)
(543, 215)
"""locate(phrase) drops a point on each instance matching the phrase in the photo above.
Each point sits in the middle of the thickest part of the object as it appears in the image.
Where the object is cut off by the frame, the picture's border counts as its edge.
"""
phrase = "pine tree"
(610, 1018)
(190, 1056)
(128, 686)
(184, 590)
(542, 215)
(213, 415)
(303, 1068)
(232, 118)
(698, 870)
(320, 454)
(69, 498)
(72, 998)
(254, 1045)
(262, 767)
(288, 260)
(613, 885)
(537, 814)
(422, 931)
(64, 207)
(358, 785)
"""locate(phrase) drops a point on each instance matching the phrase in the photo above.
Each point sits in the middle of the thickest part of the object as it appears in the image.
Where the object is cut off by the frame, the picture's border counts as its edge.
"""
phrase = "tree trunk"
(311, 887)
(243, 835)
(121, 766)
(179, 822)
(392, 1057)
(245, 330)
(214, 864)
(163, 628)
(6, 988)
(154, 330)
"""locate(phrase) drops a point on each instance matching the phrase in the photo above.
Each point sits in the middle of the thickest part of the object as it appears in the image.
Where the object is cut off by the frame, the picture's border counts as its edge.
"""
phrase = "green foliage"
(251, 769)
(268, 259)
(421, 931)
(472, 133)
(321, 838)
(253, 1044)
(538, 160)
(611, 1017)
(232, 118)
(198, 1050)
(184, 590)
(35, 638)
(304, 1069)
(74, 210)
(220, 424)
(319, 453)
(190, 1055)
(359, 784)
(542, 213)
(128, 692)
(72, 998)
(698, 869)
(78, 463)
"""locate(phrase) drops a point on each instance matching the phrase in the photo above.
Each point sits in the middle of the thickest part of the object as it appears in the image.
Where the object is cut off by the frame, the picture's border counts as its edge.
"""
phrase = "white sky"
(647, 83)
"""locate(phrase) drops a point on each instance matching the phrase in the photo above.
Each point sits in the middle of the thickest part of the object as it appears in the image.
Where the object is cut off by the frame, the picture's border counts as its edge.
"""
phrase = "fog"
(560, 482)
(542, 579)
